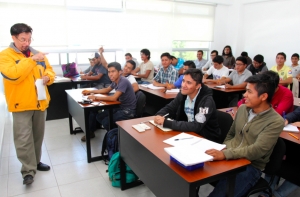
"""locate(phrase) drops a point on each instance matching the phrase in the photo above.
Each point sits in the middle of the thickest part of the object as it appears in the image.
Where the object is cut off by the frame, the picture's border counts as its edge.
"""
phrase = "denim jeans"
(243, 182)
(143, 82)
(284, 190)
(118, 114)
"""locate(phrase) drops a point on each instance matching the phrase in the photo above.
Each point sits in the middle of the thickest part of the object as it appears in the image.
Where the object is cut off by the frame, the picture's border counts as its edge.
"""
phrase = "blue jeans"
(284, 190)
(243, 182)
(118, 114)
(143, 82)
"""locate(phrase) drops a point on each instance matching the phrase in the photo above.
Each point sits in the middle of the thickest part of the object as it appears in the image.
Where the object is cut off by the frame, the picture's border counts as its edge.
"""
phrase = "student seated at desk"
(146, 69)
(178, 64)
(167, 74)
(258, 65)
(284, 72)
(210, 63)
(283, 99)
(193, 109)
(219, 71)
(177, 84)
(252, 135)
(98, 73)
(295, 65)
(238, 78)
(286, 187)
(124, 93)
(128, 68)
(89, 69)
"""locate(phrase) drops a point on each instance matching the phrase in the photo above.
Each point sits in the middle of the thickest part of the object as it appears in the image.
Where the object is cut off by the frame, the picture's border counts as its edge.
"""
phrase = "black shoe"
(43, 167)
(28, 179)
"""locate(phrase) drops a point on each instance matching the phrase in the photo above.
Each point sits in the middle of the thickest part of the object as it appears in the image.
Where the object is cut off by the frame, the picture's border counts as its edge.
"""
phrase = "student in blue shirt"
(167, 74)
(177, 84)
(178, 64)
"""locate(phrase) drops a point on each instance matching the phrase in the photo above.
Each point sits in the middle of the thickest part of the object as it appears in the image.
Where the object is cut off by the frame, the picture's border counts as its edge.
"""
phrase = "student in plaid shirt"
(167, 74)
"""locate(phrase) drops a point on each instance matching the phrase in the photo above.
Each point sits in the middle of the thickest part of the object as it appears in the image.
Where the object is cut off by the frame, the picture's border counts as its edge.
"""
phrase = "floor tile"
(55, 131)
(51, 192)
(61, 142)
(5, 150)
(136, 191)
(93, 187)
(66, 155)
(42, 180)
(75, 171)
(4, 165)
(3, 185)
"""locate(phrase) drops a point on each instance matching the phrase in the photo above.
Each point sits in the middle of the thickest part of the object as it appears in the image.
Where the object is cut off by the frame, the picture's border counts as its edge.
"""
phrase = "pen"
(294, 136)
(283, 114)
(229, 110)
(185, 138)
(166, 115)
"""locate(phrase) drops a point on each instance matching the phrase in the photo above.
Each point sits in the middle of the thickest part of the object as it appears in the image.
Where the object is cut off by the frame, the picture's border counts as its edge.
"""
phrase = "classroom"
(70, 31)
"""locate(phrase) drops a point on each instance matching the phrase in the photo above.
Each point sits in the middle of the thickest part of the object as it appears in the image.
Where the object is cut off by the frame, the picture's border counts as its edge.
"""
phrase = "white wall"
(265, 27)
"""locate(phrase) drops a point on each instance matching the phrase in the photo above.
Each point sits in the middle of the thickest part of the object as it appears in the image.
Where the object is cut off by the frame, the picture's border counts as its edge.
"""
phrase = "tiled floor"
(70, 174)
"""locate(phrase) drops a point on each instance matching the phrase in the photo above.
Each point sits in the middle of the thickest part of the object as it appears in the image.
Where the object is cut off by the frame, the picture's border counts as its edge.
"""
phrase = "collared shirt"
(169, 75)
(252, 114)
(284, 73)
(179, 64)
(200, 64)
(238, 79)
(295, 70)
(189, 107)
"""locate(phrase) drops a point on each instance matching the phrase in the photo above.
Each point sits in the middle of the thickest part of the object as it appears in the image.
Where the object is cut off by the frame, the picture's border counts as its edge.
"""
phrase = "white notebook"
(159, 126)
(151, 86)
(291, 128)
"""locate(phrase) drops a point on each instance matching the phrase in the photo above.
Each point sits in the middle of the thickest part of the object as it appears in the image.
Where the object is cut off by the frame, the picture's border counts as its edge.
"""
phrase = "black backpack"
(110, 145)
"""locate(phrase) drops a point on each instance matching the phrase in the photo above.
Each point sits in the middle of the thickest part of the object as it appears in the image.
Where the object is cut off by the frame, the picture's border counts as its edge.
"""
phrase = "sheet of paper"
(61, 79)
(41, 91)
(151, 86)
(183, 139)
(173, 91)
(222, 86)
(291, 128)
(205, 145)
(187, 155)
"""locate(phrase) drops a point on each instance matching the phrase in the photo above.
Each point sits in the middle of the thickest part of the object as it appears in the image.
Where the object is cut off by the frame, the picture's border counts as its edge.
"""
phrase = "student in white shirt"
(295, 65)
(128, 68)
(219, 71)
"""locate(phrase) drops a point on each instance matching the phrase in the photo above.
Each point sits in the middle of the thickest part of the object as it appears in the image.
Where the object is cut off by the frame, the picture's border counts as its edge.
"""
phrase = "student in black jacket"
(193, 109)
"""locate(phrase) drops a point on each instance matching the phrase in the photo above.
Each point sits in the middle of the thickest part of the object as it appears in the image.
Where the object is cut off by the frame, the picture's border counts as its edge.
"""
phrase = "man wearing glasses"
(210, 63)
(23, 68)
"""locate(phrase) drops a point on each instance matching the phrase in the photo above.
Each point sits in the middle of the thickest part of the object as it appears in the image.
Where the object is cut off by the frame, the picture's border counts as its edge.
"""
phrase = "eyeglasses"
(23, 40)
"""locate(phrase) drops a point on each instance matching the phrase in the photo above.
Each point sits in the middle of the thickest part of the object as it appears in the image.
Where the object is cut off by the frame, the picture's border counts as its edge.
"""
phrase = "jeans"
(243, 182)
(118, 114)
(143, 82)
(284, 190)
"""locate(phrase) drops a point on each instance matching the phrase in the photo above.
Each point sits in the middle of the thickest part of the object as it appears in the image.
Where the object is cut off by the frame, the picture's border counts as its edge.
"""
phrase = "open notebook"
(159, 126)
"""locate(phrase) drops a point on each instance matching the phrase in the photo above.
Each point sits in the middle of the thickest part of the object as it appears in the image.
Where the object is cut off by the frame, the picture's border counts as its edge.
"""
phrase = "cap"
(94, 55)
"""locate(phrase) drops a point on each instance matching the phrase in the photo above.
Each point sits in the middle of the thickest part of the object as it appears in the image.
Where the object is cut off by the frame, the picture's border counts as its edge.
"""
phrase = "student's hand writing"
(159, 120)
(297, 124)
(168, 86)
(86, 92)
(228, 86)
(218, 155)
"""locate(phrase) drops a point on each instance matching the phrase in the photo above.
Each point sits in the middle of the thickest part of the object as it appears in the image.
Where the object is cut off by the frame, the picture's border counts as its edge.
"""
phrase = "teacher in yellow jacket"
(22, 69)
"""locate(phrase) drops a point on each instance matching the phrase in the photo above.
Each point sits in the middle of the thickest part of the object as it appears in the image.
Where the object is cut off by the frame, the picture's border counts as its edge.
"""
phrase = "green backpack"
(114, 171)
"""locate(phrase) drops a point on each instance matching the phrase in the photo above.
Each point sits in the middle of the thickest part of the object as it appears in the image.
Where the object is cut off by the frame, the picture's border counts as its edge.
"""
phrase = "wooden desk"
(144, 153)
(81, 112)
(156, 99)
(220, 95)
(78, 80)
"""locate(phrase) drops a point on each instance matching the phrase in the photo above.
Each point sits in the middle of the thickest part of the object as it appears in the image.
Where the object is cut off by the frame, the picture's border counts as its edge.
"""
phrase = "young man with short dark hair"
(284, 72)
(295, 66)
(252, 135)
(219, 71)
(124, 93)
(178, 64)
(210, 63)
(200, 62)
(128, 57)
(193, 109)
(258, 65)
(167, 74)
(146, 69)
(177, 84)
(128, 68)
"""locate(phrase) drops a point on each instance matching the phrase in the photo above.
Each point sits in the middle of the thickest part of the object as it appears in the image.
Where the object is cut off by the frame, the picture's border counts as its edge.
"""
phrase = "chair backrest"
(140, 103)
(276, 157)
(225, 121)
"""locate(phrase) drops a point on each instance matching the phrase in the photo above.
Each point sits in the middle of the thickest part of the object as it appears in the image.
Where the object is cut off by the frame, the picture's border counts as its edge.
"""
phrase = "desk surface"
(158, 93)
(156, 146)
(213, 86)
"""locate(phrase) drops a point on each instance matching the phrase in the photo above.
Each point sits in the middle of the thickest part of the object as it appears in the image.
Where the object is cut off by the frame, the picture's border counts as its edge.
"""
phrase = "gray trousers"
(29, 128)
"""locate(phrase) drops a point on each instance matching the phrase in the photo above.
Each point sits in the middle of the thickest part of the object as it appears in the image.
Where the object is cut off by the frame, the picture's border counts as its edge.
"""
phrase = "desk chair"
(140, 103)
(272, 168)
(225, 121)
